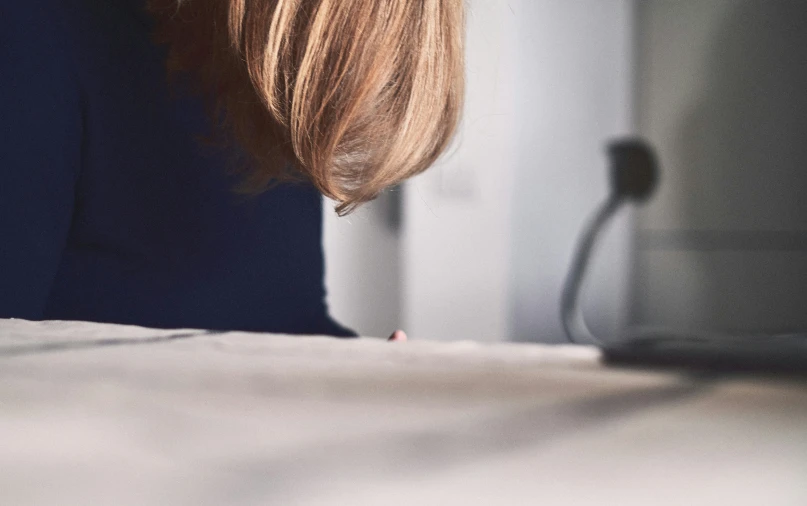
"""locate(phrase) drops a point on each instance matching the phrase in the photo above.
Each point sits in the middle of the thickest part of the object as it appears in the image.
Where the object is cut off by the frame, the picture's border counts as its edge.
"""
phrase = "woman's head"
(355, 95)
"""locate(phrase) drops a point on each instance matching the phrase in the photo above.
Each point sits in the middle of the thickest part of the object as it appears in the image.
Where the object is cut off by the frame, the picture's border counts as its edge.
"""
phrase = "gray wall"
(363, 266)
(723, 95)
(457, 215)
(575, 92)
(488, 232)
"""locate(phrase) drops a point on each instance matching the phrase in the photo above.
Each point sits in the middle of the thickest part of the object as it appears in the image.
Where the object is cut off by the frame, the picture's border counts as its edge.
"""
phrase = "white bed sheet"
(106, 414)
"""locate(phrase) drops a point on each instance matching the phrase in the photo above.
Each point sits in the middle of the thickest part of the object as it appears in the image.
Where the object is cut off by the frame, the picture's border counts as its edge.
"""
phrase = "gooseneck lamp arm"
(634, 175)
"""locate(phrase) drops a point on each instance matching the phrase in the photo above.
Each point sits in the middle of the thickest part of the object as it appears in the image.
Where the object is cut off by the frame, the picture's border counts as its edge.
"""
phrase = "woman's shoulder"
(36, 38)
(39, 93)
(62, 25)
(35, 19)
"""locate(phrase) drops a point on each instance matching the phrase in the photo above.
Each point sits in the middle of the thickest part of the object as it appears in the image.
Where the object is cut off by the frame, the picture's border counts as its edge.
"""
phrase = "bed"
(107, 414)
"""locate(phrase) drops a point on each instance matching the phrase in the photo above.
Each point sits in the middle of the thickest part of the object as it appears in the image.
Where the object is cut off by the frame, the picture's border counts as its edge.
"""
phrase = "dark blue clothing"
(113, 208)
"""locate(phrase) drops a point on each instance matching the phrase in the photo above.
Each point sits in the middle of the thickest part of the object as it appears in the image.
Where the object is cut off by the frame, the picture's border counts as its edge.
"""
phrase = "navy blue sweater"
(112, 206)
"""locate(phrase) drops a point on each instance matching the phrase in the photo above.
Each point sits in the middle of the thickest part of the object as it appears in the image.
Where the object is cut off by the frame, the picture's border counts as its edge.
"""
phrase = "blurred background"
(478, 247)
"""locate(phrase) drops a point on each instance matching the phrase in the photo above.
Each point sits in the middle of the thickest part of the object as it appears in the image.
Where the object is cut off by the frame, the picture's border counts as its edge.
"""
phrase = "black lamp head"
(634, 169)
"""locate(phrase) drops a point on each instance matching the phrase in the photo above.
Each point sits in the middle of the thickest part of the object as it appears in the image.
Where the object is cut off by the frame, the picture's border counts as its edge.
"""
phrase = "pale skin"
(398, 336)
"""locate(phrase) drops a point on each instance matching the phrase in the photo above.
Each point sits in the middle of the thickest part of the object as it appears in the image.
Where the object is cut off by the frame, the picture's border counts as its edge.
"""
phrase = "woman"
(162, 164)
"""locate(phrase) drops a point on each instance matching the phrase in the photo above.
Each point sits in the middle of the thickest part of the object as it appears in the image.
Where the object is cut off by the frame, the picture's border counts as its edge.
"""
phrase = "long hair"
(353, 95)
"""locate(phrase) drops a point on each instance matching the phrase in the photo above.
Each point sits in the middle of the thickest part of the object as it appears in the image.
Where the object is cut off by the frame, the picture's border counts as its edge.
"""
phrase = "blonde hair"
(354, 95)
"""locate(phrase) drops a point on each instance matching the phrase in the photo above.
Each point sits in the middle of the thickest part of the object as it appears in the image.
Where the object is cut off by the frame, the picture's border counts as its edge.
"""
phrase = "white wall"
(723, 96)
(363, 267)
(489, 231)
(575, 94)
(457, 215)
